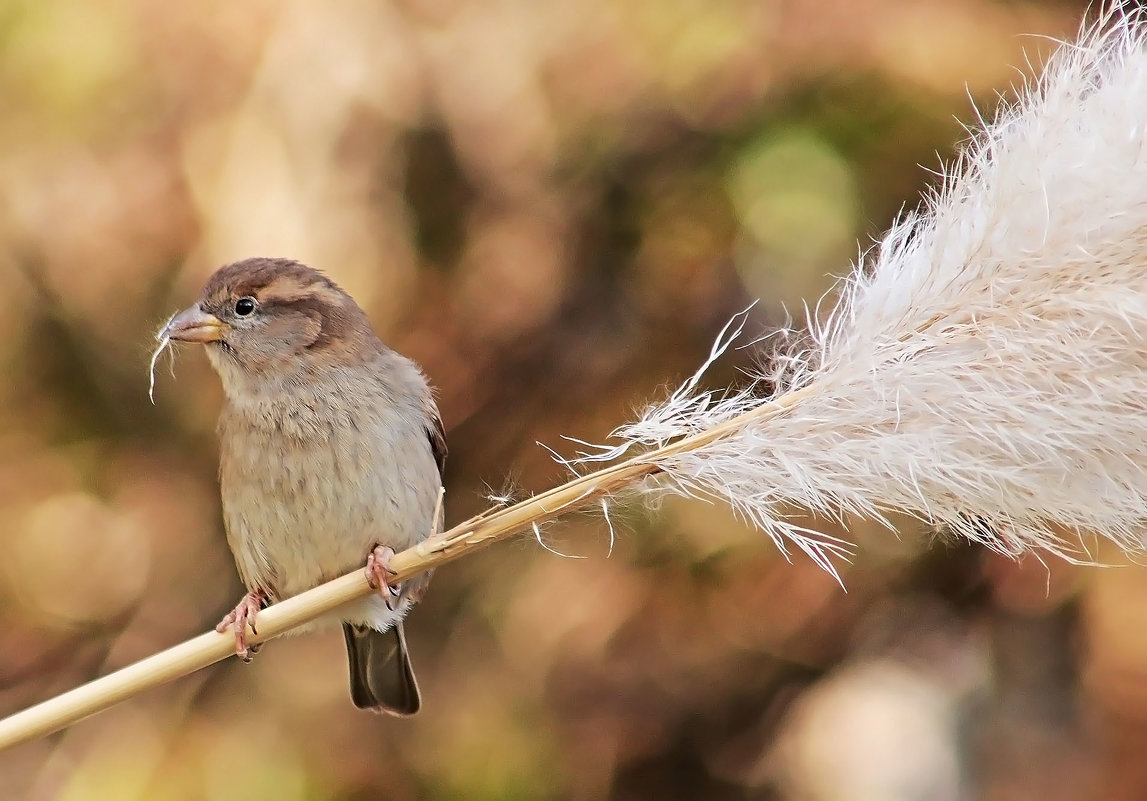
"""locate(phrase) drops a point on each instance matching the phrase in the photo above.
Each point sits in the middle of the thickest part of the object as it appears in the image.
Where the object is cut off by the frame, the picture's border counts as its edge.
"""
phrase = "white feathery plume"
(984, 367)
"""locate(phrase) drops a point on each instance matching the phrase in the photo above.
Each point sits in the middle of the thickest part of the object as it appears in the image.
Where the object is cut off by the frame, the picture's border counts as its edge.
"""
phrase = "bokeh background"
(553, 205)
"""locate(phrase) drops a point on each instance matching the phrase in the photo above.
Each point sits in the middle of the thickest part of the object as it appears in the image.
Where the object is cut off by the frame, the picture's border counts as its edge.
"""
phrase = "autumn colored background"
(553, 205)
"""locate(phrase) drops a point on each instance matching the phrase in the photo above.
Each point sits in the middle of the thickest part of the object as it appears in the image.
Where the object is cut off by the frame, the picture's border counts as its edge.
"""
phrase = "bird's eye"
(244, 306)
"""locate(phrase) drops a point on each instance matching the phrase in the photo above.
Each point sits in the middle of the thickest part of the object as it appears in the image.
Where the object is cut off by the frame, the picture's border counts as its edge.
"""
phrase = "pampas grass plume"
(984, 367)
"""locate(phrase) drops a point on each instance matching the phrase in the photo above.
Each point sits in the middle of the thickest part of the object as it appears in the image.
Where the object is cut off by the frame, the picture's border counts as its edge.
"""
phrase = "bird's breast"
(309, 488)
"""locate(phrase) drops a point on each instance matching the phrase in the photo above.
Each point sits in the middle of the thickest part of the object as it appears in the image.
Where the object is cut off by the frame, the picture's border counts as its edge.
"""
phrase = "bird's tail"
(381, 678)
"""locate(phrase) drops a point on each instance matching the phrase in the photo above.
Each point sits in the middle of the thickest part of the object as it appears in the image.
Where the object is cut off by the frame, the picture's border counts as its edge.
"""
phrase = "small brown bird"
(331, 456)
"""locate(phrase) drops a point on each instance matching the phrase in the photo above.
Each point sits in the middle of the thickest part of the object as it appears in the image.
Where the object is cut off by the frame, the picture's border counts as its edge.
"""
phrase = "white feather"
(985, 365)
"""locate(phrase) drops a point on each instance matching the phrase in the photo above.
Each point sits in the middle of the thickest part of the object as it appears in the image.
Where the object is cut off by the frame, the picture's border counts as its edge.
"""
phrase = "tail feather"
(381, 678)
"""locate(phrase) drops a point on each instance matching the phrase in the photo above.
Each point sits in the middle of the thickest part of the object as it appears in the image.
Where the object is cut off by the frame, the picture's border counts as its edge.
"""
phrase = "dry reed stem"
(478, 532)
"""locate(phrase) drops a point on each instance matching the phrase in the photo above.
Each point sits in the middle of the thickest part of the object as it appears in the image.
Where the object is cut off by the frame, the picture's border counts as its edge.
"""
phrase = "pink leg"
(378, 572)
(244, 614)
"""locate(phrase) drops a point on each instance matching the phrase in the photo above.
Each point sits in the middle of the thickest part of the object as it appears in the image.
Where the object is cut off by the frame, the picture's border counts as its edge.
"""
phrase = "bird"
(331, 455)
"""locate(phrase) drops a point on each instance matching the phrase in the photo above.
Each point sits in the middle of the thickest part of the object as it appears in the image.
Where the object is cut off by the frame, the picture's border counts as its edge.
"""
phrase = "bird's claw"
(379, 572)
(244, 614)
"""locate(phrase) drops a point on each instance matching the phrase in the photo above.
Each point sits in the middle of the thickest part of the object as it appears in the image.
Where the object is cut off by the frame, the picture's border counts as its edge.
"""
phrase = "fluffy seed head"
(984, 367)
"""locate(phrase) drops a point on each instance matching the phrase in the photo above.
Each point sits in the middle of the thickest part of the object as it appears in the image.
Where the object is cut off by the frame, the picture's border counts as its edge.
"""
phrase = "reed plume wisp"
(985, 365)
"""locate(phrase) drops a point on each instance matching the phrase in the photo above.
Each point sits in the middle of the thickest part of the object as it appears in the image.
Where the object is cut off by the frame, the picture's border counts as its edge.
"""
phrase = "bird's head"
(273, 320)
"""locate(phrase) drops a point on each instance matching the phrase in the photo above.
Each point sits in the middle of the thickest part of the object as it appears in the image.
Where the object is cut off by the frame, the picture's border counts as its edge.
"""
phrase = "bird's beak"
(194, 325)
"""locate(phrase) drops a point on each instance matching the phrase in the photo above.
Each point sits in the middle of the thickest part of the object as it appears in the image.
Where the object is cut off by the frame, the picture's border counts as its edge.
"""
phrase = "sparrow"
(331, 457)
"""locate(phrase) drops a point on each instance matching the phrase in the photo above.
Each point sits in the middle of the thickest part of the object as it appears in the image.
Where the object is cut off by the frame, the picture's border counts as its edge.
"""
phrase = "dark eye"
(244, 306)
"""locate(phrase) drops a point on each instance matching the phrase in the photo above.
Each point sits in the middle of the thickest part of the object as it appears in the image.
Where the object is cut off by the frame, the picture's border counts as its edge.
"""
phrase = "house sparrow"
(331, 456)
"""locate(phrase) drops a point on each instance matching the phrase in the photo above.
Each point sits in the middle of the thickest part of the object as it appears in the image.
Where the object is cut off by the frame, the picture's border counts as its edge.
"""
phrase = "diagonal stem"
(478, 532)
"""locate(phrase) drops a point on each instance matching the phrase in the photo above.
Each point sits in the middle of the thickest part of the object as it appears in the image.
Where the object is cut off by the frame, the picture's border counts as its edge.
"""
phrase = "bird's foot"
(379, 573)
(243, 615)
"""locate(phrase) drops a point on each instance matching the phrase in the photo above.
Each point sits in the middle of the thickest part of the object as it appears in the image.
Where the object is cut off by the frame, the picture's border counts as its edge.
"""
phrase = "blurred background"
(554, 207)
